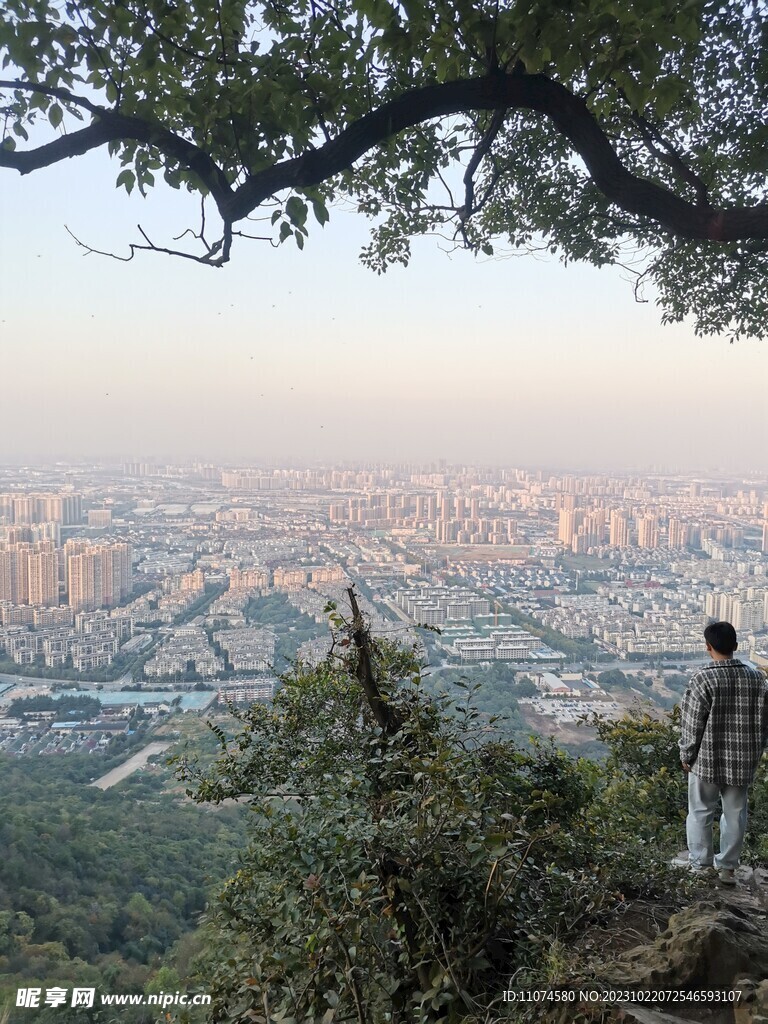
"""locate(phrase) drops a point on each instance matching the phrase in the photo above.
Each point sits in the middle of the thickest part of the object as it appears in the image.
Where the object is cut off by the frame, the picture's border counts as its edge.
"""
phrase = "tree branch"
(569, 115)
(388, 719)
(216, 255)
(571, 118)
(111, 126)
(477, 157)
(667, 154)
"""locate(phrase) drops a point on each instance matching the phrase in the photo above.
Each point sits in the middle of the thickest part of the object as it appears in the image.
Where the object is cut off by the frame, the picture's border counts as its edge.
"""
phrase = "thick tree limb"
(111, 126)
(75, 144)
(569, 115)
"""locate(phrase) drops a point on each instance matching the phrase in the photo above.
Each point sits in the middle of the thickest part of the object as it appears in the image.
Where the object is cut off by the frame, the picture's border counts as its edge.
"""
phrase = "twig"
(216, 256)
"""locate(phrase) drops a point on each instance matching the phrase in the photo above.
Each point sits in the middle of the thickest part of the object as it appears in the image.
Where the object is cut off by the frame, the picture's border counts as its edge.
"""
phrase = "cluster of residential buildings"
(155, 608)
(41, 572)
(468, 629)
(609, 559)
(185, 649)
(451, 519)
(90, 640)
(509, 643)
(662, 613)
(242, 692)
(431, 605)
(248, 649)
(674, 520)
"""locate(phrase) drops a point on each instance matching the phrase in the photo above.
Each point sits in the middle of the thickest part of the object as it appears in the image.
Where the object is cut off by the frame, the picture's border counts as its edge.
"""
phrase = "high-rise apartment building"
(247, 579)
(565, 526)
(719, 606)
(99, 518)
(65, 508)
(43, 570)
(14, 574)
(647, 532)
(619, 529)
(677, 533)
(83, 581)
(74, 546)
(99, 576)
(594, 527)
(23, 511)
(29, 573)
(46, 531)
(747, 614)
(568, 525)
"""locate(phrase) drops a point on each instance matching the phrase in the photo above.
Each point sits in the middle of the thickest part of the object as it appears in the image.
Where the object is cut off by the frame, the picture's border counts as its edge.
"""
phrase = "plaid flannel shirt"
(724, 722)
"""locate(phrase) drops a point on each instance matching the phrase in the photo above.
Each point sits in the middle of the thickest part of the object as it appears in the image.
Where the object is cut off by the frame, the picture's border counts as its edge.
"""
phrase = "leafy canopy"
(630, 133)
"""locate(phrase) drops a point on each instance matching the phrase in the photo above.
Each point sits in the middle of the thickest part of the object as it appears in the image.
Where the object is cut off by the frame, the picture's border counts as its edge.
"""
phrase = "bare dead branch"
(388, 719)
(90, 251)
(216, 256)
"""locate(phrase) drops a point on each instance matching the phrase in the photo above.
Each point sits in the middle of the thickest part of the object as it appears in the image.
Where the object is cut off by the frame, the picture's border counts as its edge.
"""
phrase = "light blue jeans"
(703, 798)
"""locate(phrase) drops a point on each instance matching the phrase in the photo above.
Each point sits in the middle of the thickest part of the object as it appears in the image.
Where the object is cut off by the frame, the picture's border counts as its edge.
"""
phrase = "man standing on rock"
(724, 729)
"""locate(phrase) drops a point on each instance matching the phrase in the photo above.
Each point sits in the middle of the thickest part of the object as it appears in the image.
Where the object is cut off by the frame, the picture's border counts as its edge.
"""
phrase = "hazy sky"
(312, 356)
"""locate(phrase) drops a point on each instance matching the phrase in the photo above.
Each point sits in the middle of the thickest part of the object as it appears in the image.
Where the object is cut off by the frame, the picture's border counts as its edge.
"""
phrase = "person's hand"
(686, 767)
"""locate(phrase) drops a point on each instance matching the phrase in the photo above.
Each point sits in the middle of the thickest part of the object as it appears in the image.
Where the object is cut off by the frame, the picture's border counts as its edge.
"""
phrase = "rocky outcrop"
(752, 1007)
(721, 942)
(703, 947)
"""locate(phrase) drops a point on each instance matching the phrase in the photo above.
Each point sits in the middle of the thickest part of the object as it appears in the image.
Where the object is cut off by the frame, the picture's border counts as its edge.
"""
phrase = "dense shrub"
(402, 869)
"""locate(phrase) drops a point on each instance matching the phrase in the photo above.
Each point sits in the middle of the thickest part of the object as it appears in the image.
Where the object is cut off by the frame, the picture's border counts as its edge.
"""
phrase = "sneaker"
(702, 870)
(727, 876)
(682, 861)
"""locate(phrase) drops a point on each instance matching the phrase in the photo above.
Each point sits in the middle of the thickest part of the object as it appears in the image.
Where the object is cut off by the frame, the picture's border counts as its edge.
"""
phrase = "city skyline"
(154, 543)
(310, 356)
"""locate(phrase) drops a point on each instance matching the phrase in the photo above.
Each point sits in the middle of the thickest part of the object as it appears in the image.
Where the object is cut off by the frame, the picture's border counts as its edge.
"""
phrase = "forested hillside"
(97, 887)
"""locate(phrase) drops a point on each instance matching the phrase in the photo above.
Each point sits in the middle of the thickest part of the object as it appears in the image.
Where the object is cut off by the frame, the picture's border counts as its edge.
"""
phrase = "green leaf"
(55, 115)
(296, 211)
(127, 179)
(320, 211)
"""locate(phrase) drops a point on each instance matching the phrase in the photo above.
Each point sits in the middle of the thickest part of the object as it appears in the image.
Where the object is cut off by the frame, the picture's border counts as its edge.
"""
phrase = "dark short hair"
(721, 636)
